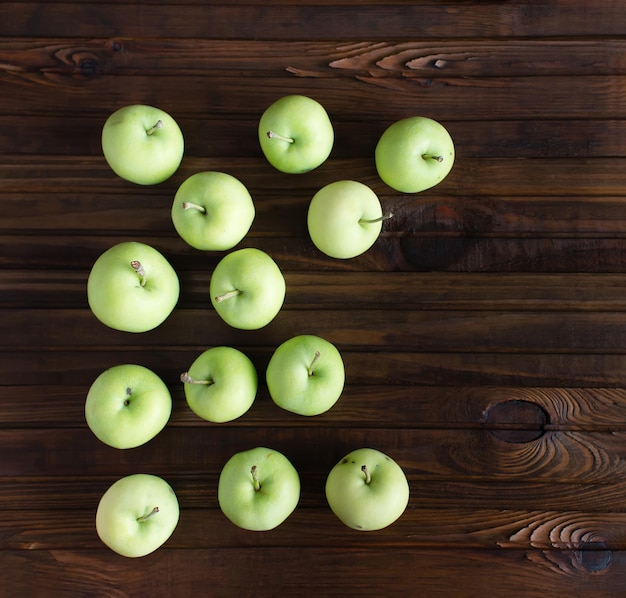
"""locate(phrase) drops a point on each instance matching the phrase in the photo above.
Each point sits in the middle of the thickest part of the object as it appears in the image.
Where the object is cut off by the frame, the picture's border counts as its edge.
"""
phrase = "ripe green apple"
(258, 489)
(212, 211)
(414, 154)
(305, 375)
(221, 384)
(137, 514)
(247, 289)
(345, 219)
(296, 134)
(127, 405)
(132, 287)
(142, 144)
(367, 490)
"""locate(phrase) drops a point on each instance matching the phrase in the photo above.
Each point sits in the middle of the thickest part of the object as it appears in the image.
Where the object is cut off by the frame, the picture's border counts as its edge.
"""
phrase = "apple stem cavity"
(146, 517)
(157, 125)
(272, 135)
(432, 157)
(255, 479)
(381, 218)
(187, 379)
(189, 205)
(137, 267)
(228, 295)
(315, 359)
(368, 477)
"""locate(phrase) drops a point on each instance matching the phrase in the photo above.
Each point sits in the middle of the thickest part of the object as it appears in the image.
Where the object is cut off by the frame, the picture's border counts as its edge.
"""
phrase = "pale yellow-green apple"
(212, 211)
(367, 490)
(258, 489)
(305, 375)
(137, 514)
(345, 219)
(296, 134)
(132, 287)
(414, 154)
(221, 384)
(127, 405)
(247, 288)
(142, 144)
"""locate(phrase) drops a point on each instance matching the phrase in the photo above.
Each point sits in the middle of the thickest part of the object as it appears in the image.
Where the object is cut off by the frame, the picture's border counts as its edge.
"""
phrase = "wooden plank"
(389, 254)
(461, 455)
(289, 21)
(482, 177)
(376, 329)
(469, 571)
(411, 407)
(351, 98)
(207, 528)
(387, 368)
(542, 139)
(56, 494)
(438, 291)
(89, 57)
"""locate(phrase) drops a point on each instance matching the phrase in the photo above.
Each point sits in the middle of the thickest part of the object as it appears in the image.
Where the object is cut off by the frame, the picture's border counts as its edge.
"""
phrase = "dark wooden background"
(484, 335)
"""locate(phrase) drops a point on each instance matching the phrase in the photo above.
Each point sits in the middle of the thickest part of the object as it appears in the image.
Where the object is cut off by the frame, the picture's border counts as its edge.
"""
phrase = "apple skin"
(289, 382)
(116, 296)
(261, 286)
(228, 211)
(401, 154)
(127, 500)
(340, 219)
(233, 387)
(306, 122)
(127, 405)
(367, 506)
(267, 507)
(137, 154)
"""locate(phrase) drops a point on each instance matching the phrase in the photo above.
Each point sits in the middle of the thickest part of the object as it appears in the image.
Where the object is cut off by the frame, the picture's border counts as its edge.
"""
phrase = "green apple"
(345, 219)
(137, 514)
(305, 375)
(367, 490)
(296, 134)
(258, 489)
(127, 405)
(414, 154)
(132, 287)
(212, 211)
(221, 384)
(142, 144)
(247, 289)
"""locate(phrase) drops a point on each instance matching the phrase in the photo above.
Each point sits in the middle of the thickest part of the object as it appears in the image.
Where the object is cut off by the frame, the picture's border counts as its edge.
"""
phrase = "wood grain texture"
(484, 333)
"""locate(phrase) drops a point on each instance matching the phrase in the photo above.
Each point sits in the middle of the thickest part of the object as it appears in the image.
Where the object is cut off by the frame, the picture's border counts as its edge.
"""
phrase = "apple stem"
(315, 358)
(368, 477)
(432, 157)
(383, 217)
(255, 479)
(187, 379)
(188, 205)
(157, 125)
(227, 295)
(272, 135)
(146, 517)
(137, 267)
(129, 393)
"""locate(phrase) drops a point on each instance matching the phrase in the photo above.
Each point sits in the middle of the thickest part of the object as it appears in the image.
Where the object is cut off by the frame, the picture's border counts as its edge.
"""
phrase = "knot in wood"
(516, 421)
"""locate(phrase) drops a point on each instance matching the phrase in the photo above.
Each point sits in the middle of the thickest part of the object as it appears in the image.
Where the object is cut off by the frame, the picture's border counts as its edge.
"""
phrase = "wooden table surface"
(484, 334)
